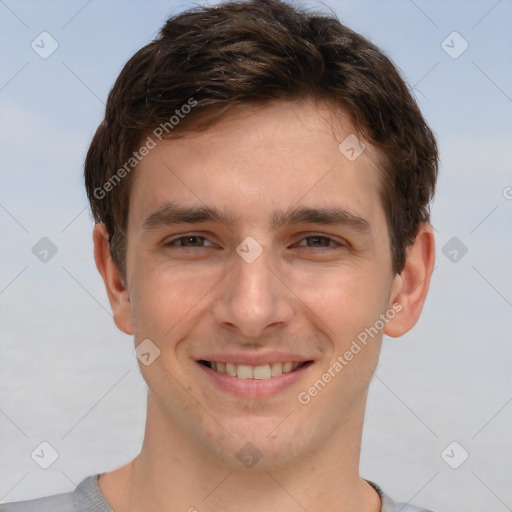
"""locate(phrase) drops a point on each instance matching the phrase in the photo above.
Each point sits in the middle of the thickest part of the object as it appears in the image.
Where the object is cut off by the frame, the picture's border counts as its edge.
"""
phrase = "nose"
(253, 298)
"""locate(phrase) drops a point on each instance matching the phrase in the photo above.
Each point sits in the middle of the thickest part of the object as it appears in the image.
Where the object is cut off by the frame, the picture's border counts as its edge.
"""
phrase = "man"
(260, 185)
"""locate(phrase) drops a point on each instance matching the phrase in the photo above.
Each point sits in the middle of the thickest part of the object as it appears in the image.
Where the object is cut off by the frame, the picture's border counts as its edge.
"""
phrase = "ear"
(410, 287)
(117, 293)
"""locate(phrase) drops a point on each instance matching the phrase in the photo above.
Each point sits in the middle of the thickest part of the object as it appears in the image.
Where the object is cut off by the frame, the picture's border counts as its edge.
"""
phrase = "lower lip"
(254, 388)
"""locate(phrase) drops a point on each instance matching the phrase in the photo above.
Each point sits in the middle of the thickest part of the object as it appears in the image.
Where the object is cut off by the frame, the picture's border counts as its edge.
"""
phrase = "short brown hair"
(255, 52)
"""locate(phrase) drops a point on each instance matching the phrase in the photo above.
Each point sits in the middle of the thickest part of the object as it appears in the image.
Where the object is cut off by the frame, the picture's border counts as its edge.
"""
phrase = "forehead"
(262, 160)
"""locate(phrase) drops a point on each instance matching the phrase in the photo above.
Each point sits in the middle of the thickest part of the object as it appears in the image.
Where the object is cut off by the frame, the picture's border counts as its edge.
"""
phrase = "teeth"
(244, 371)
(276, 369)
(231, 369)
(261, 372)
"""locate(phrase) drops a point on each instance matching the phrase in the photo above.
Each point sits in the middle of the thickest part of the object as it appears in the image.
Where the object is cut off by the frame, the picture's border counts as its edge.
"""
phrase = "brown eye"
(188, 241)
(319, 241)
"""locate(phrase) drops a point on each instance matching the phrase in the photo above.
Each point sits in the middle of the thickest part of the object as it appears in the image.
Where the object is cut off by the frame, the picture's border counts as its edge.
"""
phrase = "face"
(257, 257)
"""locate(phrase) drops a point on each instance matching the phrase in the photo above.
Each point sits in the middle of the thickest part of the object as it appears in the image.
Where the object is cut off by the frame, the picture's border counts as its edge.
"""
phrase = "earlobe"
(411, 286)
(114, 285)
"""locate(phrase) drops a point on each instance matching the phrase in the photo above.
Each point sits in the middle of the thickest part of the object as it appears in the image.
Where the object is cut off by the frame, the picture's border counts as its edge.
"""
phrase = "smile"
(259, 372)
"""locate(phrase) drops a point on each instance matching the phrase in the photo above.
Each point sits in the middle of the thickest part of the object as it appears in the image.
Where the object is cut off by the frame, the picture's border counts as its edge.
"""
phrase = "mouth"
(260, 372)
(263, 379)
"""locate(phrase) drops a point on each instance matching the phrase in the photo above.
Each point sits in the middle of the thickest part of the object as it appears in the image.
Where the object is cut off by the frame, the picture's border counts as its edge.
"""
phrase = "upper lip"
(258, 359)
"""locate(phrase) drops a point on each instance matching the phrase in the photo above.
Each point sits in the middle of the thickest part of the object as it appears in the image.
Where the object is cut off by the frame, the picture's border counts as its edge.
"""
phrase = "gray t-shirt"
(87, 497)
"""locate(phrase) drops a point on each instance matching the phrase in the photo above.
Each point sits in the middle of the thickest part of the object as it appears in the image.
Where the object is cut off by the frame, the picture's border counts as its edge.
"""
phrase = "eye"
(314, 241)
(188, 241)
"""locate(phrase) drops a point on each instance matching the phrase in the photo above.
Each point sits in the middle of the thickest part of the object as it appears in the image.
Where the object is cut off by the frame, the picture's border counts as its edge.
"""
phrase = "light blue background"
(67, 376)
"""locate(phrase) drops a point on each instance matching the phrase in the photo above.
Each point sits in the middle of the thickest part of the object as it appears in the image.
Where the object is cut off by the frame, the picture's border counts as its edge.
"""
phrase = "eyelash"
(171, 243)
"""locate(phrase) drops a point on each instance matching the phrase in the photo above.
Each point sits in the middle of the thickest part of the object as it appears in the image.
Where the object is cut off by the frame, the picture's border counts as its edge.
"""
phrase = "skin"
(305, 295)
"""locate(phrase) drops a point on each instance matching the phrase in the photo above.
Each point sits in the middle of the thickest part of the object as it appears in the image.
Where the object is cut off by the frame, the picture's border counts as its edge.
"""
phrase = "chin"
(258, 444)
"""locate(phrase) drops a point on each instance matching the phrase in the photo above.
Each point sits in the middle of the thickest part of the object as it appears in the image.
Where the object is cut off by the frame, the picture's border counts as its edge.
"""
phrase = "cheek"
(167, 297)
(344, 300)
(347, 307)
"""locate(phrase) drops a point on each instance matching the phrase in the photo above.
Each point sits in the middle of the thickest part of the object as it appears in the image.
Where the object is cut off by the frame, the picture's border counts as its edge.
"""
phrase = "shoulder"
(86, 497)
(403, 507)
(57, 503)
(389, 505)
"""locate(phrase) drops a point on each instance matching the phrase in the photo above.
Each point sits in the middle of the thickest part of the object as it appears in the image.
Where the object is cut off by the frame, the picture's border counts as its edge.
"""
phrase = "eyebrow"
(325, 216)
(172, 213)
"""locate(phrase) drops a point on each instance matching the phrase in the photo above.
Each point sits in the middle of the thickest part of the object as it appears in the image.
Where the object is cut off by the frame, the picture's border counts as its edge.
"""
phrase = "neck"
(172, 474)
